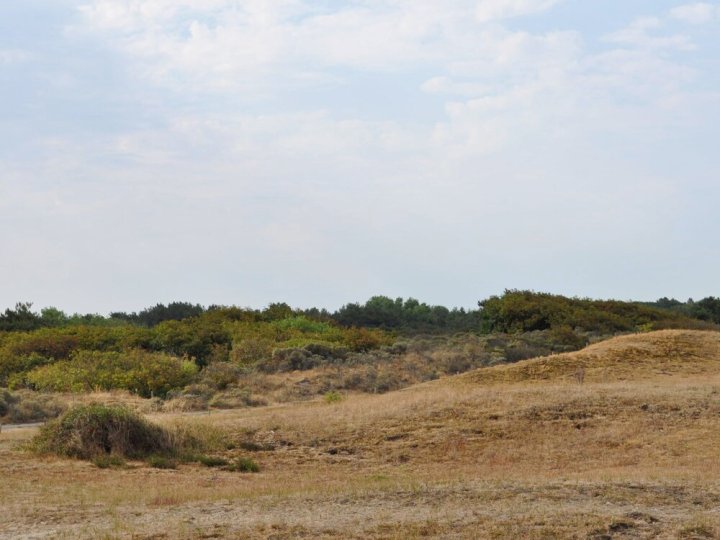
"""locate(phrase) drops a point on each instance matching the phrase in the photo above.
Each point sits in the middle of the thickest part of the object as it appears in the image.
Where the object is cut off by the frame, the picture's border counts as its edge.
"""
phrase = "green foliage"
(527, 311)
(707, 309)
(333, 397)
(211, 461)
(407, 316)
(6, 401)
(220, 375)
(138, 371)
(22, 318)
(304, 325)
(88, 431)
(277, 311)
(243, 465)
(162, 462)
(142, 351)
(195, 338)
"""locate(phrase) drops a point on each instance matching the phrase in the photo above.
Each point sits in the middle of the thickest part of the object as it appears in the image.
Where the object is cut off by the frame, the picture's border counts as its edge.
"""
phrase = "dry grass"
(631, 453)
(633, 357)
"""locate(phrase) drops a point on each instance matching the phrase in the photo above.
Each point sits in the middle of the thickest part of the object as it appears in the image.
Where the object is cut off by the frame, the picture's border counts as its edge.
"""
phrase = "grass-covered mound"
(89, 431)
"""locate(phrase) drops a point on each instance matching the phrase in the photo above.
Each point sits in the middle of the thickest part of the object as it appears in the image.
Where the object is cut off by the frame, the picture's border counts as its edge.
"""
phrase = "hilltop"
(632, 357)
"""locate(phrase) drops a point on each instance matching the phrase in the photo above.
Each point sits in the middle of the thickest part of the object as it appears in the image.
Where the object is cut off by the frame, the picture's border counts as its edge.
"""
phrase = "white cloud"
(491, 10)
(697, 13)
(223, 46)
(640, 34)
(13, 56)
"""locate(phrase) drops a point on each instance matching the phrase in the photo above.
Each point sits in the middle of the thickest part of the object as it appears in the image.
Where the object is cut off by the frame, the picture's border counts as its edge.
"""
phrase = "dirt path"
(11, 427)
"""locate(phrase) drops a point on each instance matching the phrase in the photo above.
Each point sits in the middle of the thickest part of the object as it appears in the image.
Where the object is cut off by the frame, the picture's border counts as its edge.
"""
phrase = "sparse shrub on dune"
(162, 462)
(235, 398)
(333, 397)
(109, 435)
(212, 461)
(25, 406)
(88, 431)
(220, 375)
(243, 465)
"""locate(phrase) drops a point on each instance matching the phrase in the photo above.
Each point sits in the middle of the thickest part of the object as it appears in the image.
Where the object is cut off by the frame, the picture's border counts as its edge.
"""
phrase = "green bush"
(88, 431)
(243, 465)
(138, 371)
(220, 375)
(303, 325)
(525, 311)
(333, 397)
(6, 399)
(162, 462)
(211, 461)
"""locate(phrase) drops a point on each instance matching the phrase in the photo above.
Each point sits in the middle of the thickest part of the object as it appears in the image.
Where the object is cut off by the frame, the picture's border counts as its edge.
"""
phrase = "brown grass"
(520, 451)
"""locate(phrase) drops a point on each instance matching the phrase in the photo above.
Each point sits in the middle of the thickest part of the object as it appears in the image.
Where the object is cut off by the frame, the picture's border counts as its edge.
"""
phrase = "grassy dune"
(518, 451)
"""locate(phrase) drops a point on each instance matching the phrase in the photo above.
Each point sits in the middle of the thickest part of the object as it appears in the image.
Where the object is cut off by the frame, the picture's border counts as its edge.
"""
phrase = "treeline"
(707, 309)
(513, 311)
(526, 311)
(166, 347)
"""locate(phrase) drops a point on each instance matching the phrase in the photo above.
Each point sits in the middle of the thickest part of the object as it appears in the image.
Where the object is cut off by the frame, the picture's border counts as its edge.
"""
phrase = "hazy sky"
(320, 152)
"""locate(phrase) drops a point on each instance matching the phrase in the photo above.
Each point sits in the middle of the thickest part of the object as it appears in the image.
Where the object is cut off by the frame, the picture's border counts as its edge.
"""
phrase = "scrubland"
(513, 451)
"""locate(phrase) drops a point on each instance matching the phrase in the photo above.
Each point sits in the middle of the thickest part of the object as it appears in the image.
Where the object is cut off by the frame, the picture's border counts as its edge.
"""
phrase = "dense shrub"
(406, 316)
(138, 371)
(6, 400)
(220, 375)
(526, 311)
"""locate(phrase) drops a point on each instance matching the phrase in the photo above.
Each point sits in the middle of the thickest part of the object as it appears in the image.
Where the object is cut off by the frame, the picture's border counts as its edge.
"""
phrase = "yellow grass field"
(515, 451)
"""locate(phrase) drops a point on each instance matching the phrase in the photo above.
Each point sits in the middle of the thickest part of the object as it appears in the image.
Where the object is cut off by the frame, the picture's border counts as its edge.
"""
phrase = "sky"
(243, 152)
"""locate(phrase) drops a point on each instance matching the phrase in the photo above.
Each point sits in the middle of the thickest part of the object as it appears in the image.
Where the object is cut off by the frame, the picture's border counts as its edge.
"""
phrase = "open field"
(518, 451)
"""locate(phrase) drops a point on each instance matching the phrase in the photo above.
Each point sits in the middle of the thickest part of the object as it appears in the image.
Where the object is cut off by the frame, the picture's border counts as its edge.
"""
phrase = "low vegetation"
(110, 435)
(191, 358)
(519, 450)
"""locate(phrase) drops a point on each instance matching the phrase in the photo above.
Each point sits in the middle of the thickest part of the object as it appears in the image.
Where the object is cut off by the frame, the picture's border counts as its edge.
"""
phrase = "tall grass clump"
(89, 431)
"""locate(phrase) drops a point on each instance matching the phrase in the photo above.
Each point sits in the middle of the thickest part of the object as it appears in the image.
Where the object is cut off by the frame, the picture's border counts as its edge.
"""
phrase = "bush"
(243, 465)
(220, 375)
(162, 462)
(6, 400)
(138, 371)
(88, 431)
(333, 397)
(211, 461)
(236, 398)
